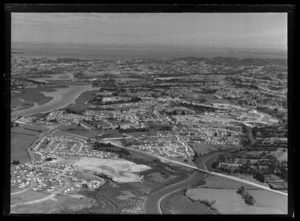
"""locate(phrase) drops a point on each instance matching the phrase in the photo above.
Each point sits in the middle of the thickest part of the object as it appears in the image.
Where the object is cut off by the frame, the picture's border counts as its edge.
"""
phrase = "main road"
(153, 203)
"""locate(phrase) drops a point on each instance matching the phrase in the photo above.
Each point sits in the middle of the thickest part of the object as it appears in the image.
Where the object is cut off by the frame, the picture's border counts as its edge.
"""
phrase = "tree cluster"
(110, 148)
(249, 199)
(16, 162)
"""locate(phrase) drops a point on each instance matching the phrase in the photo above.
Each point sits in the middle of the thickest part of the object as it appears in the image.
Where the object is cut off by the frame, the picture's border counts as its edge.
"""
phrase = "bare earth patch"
(119, 170)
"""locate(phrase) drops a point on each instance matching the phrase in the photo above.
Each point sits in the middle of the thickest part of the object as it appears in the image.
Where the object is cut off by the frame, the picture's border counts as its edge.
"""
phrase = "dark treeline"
(108, 147)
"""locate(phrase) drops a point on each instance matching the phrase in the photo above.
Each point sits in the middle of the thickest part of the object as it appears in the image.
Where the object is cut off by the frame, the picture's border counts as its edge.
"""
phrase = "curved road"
(42, 199)
(153, 202)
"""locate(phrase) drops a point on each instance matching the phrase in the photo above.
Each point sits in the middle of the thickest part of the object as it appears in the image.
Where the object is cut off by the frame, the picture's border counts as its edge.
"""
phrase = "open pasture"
(21, 139)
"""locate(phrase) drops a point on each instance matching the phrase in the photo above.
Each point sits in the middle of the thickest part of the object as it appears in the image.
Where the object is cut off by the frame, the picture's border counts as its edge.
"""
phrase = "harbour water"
(62, 97)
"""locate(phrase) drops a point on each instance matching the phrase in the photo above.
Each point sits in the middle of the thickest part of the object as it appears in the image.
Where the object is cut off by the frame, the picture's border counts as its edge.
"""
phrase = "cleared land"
(119, 170)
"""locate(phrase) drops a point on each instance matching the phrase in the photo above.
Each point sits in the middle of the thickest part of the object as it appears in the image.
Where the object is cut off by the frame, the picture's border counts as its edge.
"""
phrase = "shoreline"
(59, 99)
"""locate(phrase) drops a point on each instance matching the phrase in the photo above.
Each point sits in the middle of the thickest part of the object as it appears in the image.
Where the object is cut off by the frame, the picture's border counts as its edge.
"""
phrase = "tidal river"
(62, 97)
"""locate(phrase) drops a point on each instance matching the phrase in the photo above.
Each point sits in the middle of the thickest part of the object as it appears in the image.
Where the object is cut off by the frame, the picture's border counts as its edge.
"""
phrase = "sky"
(257, 30)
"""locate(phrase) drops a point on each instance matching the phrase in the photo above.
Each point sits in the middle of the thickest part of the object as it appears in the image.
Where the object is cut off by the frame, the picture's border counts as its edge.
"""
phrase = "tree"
(249, 199)
(215, 164)
(16, 162)
(222, 158)
(248, 164)
(263, 155)
(84, 186)
(242, 191)
(260, 177)
(254, 132)
(196, 156)
(284, 172)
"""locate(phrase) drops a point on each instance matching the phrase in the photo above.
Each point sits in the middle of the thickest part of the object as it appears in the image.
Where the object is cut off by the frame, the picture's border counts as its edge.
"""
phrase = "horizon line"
(154, 44)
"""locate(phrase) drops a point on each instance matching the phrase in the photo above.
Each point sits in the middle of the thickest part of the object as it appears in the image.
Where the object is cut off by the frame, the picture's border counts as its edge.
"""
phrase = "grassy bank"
(85, 96)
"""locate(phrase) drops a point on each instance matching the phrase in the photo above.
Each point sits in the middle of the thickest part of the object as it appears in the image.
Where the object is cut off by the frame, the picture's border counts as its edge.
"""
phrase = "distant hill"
(247, 61)
(231, 61)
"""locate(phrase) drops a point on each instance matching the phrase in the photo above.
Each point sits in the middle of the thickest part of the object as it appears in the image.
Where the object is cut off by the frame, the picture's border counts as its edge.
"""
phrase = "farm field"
(19, 145)
(228, 201)
(119, 170)
(21, 138)
(250, 178)
(268, 202)
(47, 206)
(177, 203)
(55, 205)
(222, 183)
(27, 196)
